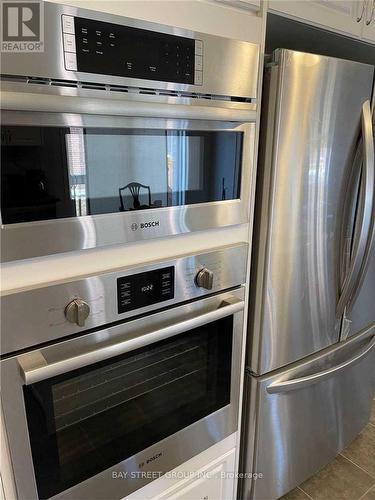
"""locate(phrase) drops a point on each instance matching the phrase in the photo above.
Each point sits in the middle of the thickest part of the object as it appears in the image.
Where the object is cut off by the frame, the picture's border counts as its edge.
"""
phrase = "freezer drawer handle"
(363, 235)
(301, 383)
(34, 366)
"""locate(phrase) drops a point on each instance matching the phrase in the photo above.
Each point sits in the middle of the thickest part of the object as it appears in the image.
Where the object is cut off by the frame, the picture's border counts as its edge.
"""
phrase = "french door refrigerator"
(311, 347)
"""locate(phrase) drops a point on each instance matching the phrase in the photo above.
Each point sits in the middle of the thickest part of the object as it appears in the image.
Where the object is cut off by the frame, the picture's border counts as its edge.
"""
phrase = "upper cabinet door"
(243, 4)
(336, 15)
(368, 23)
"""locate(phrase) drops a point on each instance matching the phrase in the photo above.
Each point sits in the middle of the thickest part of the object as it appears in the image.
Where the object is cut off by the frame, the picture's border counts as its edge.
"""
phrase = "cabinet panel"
(214, 482)
(336, 15)
(368, 23)
(242, 4)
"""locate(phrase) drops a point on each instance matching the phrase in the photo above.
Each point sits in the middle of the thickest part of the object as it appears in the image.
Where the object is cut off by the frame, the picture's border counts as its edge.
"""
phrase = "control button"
(77, 311)
(70, 61)
(204, 279)
(69, 43)
(198, 63)
(198, 78)
(68, 24)
(199, 47)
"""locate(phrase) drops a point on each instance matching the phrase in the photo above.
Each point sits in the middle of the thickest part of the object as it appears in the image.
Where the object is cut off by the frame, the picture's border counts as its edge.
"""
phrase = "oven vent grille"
(123, 89)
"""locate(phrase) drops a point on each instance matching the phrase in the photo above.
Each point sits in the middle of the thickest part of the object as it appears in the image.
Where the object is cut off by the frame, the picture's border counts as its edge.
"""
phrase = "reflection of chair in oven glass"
(135, 188)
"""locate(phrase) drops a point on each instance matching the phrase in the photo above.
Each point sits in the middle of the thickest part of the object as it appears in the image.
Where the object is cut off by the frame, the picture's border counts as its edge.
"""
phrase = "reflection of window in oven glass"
(185, 154)
(75, 148)
(134, 163)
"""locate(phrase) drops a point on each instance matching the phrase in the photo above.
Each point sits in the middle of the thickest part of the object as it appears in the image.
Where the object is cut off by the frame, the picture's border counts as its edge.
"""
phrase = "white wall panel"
(199, 15)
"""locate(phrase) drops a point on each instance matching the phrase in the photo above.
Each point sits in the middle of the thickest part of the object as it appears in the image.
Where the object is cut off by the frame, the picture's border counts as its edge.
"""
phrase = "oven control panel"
(144, 289)
(99, 47)
(50, 313)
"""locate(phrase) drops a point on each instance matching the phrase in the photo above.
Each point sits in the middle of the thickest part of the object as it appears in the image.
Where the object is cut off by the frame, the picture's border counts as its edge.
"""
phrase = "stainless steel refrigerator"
(311, 339)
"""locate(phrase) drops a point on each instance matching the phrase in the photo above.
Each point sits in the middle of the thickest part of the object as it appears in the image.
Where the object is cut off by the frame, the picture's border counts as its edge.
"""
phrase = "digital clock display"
(144, 289)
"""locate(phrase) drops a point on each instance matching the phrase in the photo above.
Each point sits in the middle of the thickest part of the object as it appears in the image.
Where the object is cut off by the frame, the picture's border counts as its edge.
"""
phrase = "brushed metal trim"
(93, 102)
(13, 83)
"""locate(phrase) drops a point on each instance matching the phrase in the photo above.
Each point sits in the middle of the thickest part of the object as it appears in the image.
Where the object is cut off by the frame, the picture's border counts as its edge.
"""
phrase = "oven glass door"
(92, 418)
(54, 172)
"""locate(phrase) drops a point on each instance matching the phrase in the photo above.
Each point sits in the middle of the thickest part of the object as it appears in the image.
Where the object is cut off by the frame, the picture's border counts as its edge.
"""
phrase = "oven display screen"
(144, 289)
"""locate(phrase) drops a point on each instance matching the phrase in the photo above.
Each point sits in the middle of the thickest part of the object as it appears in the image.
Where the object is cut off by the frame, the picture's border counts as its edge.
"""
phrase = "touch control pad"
(92, 46)
(144, 289)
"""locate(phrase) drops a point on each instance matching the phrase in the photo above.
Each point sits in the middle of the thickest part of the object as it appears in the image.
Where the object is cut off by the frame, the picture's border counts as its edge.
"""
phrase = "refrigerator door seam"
(365, 232)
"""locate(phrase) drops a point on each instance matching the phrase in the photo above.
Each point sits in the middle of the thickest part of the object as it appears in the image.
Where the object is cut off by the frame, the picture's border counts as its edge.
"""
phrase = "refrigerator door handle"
(365, 226)
(280, 386)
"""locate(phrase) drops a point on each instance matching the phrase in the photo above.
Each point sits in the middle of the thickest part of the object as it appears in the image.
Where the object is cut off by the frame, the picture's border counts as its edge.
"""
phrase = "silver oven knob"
(77, 311)
(204, 278)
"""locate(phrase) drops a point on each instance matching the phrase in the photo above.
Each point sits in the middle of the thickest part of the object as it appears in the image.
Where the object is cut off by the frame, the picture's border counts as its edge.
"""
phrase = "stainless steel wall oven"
(132, 371)
(122, 130)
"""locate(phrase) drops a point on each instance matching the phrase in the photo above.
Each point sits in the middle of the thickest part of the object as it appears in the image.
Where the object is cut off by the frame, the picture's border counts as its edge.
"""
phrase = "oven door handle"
(35, 367)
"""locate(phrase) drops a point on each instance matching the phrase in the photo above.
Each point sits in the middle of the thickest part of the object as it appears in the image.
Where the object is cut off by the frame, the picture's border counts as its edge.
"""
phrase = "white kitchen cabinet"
(336, 15)
(214, 482)
(253, 5)
(207, 476)
(206, 16)
(368, 22)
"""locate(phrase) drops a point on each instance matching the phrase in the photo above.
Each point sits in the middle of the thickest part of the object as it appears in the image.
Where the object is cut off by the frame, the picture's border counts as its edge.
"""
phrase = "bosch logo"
(154, 223)
(145, 225)
(155, 457)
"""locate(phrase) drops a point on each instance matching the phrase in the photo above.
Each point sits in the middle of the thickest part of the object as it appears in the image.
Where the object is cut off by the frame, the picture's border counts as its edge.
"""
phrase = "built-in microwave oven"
(123, 130)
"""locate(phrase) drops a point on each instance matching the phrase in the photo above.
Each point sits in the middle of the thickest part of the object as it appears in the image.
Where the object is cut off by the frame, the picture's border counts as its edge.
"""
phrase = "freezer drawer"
(306, 414)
